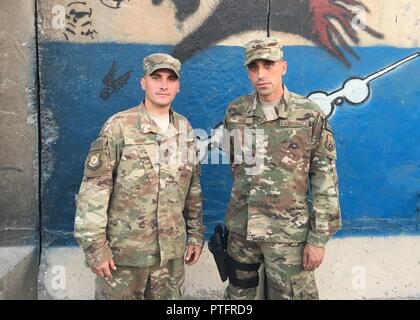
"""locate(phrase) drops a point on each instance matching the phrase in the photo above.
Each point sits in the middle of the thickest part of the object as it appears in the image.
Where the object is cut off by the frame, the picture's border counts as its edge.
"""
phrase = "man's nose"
(164, 85)
(261, 73)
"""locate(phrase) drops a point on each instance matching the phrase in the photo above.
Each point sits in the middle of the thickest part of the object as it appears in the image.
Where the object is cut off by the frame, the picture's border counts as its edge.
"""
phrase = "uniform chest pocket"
(242, 140)
(289, 146)
(186, 157)
(185, 173)
(132, 169)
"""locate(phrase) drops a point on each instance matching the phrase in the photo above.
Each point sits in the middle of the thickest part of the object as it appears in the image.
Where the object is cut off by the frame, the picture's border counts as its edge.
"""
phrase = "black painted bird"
(112, 85)
(309, 19)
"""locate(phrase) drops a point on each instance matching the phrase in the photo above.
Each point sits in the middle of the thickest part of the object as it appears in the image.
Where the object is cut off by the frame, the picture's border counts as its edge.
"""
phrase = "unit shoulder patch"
(96, 162)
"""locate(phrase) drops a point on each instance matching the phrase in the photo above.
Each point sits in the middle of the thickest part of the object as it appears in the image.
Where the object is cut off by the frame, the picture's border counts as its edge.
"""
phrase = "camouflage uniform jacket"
(272, 205)
(138, 202)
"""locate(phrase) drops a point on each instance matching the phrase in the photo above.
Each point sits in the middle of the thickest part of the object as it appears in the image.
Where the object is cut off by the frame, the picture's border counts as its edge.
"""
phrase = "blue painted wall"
(377, 142)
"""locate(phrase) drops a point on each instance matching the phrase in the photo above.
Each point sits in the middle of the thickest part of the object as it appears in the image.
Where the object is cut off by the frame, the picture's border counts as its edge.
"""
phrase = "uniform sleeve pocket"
(97, 160)
(327, 145)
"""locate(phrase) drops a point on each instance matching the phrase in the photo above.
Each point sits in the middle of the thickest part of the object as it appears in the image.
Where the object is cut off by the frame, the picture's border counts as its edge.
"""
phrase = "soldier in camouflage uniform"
(268, 217)
(139, 208)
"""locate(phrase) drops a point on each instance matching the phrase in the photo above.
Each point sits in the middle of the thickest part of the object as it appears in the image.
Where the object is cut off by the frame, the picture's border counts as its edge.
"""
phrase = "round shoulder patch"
(94, 161)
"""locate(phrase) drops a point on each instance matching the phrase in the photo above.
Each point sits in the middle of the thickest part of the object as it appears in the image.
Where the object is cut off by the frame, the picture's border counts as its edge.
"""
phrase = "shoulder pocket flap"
(96, 164)
(327, 145)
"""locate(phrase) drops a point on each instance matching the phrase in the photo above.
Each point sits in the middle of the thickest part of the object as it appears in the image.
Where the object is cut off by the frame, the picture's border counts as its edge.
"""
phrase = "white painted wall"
(354, 268)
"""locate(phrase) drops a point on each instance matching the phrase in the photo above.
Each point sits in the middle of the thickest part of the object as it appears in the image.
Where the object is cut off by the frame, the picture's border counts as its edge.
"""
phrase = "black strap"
(234, 265)
(244, 283)
(243, 266)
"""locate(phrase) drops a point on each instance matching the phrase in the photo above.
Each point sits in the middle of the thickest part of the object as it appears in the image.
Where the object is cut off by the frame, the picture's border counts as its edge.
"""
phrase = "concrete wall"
(354, 268)
(379, 185)
(375, 128)
(18, 130)
(19, 272)
(19, 151)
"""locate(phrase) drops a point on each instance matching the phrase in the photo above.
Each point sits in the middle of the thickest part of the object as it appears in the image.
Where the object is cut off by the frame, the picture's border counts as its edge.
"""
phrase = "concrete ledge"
(18, 272)
(63, 275)
(353, 268)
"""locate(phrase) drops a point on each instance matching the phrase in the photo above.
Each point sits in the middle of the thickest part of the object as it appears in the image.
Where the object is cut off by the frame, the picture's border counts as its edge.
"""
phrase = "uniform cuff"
(195, 241)
(96, 258)
(316, 239)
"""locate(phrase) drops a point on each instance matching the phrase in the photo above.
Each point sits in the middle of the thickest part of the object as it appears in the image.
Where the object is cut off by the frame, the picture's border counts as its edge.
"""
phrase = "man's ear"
(284, 67)
(143, 83)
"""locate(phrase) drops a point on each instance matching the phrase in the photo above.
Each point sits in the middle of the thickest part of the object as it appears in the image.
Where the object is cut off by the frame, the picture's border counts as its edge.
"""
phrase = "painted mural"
(354, 91)
(310, 19)
(113, 84)
(341, 54)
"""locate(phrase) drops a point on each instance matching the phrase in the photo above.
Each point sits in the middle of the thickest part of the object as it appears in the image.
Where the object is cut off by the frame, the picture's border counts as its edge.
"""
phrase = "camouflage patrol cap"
(266, 48)
(157, 61)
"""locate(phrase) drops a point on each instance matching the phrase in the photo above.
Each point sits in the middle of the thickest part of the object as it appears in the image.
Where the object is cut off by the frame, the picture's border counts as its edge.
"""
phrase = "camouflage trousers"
(145, 283)
(284, 274)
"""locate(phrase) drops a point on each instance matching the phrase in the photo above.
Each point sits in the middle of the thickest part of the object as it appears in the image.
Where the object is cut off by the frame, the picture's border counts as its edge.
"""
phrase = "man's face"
(160, 87)
(266, 76)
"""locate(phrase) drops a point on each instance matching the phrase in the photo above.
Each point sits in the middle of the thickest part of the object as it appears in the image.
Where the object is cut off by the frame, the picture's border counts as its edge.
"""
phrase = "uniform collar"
(282, 108)
(146, 123)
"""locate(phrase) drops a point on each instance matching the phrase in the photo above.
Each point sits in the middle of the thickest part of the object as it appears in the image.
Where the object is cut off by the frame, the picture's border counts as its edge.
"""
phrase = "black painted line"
(268, 18)
(38, 97)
